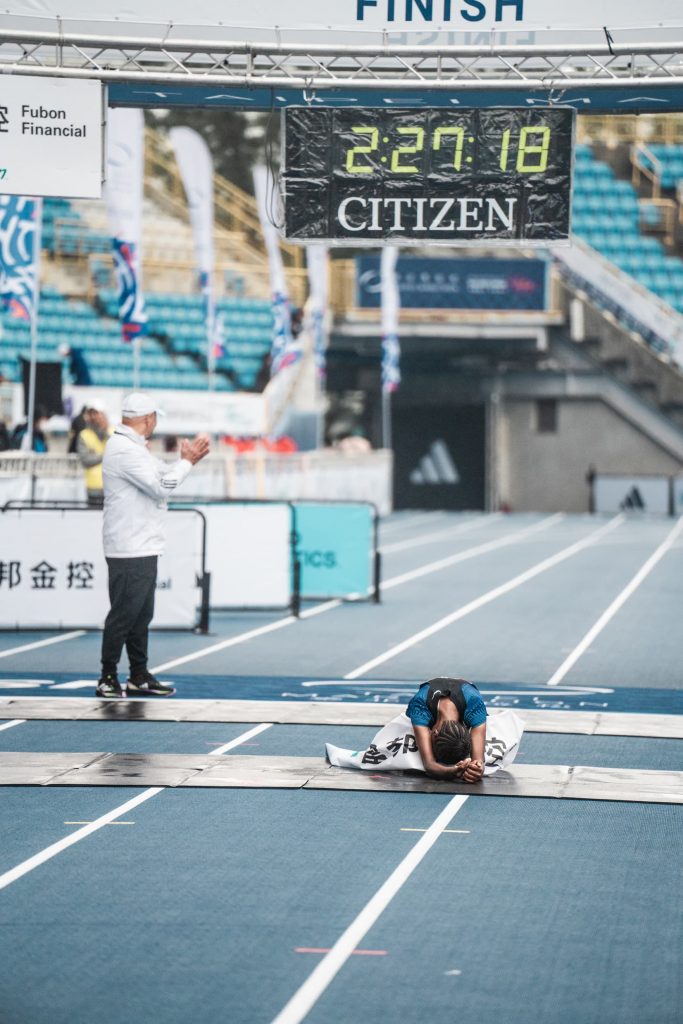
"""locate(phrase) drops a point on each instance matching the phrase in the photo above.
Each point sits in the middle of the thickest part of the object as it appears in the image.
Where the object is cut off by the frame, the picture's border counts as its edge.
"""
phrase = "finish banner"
(267, 18)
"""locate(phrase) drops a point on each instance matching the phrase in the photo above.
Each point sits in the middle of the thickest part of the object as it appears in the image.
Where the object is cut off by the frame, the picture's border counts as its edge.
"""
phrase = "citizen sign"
(422, 213)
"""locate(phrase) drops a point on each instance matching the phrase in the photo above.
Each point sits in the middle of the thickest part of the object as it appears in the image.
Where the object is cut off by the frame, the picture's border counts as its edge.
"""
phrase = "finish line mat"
(587, 723)
(254, 772)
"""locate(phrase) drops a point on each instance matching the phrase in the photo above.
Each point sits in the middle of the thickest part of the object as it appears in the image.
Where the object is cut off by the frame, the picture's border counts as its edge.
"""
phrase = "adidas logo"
(436, 467)
(633, 499)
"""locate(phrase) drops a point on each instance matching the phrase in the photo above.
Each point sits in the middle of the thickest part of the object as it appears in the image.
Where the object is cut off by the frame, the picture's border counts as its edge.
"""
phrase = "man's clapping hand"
(196, 449)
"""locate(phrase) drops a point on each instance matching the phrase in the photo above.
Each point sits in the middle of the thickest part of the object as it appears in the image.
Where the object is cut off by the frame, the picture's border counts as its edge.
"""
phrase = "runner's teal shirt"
(475, 710)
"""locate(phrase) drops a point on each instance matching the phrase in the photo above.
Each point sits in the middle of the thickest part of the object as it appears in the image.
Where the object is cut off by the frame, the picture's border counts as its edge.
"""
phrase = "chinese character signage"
(53, 573)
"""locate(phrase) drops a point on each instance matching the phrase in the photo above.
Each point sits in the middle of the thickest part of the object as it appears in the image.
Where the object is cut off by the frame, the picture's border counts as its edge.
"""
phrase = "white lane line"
(305, 998)
(616, 604)
(411, 521)
(10, 725)
(463, 556)
(63, 844)
(327, 606)
(82, 833)
(244, 738)
(490, 595)
(42, 643)
(222, 645)
(404, 545)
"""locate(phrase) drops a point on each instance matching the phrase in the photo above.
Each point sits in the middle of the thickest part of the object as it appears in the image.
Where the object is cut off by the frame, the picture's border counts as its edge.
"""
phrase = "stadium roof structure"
(146, 64)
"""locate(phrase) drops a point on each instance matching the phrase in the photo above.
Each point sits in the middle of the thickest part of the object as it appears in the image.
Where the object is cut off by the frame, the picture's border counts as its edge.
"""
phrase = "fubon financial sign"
(50, 137)
(451, 176)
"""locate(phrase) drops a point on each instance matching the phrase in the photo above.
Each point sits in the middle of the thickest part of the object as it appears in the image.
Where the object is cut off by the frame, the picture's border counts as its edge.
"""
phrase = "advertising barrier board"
(251, 548)
(249, 554)
(632, 494)
(335, 545)
(457, 283)
(53, 573)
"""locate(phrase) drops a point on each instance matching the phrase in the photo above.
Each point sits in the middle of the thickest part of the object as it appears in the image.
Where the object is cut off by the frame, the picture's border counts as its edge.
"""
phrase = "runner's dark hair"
(452, 743)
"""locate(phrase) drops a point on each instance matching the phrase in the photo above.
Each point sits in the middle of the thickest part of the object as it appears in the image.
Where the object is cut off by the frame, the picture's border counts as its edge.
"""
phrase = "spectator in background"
(77, 424)
(78, 367)
(20, 434)
(4, 437)
(90, 448)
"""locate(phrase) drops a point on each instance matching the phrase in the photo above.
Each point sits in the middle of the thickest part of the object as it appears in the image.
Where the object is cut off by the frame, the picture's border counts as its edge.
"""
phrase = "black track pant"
(132, 583)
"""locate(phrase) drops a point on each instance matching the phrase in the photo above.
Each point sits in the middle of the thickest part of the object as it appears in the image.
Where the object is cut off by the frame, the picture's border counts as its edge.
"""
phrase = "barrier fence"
(53, 574)
(219, 555)
(273, 554)
(258, 475)
(658, 494)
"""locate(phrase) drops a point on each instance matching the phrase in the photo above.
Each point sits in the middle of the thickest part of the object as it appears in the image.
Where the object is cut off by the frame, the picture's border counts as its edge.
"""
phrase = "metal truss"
(244, 65)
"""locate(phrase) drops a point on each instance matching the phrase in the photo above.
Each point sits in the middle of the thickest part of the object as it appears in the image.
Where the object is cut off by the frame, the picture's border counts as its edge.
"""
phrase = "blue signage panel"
(335, 546)
(487, 284)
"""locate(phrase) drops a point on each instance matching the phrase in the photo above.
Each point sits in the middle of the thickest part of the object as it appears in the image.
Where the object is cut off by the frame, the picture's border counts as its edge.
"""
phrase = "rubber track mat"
(253, 772)
(318, 713)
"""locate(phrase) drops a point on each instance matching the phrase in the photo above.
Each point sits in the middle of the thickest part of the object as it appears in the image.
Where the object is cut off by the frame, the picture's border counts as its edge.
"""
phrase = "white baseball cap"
(96, 405)
(137, 403)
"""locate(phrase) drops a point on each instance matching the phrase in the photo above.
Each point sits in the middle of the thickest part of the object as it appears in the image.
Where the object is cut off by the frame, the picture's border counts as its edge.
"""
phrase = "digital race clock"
(365, 175)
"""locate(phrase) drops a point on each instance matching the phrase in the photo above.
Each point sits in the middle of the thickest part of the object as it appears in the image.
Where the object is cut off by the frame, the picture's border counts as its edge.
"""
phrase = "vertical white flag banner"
(285, 350)
(391, 351)
(316, 318)
(123, 194)
(196, 170)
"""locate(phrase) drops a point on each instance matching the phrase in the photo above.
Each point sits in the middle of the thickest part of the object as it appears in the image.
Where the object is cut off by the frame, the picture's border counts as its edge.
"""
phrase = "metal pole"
(386, 418)
(137, 342)
(37, 238)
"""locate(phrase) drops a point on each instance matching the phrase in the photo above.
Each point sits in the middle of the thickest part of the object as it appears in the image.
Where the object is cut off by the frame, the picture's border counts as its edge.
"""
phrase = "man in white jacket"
(137, 487)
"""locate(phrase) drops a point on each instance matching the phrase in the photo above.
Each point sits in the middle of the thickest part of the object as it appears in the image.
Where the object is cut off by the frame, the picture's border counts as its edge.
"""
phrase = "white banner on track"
(53, 574)
(395, 747)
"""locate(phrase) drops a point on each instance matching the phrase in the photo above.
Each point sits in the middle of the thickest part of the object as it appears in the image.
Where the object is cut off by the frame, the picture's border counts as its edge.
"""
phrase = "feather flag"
(19, 251)
(286, 349)
(316, 307)
(391, 349)
(123, 193)
(196, 170)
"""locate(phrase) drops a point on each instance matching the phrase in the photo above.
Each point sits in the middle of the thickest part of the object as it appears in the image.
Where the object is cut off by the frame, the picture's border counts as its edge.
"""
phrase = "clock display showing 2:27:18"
(522, 151)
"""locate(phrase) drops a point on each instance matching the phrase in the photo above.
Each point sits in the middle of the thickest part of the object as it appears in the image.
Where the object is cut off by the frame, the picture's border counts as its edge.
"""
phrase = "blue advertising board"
(335, 547)
(486, 284)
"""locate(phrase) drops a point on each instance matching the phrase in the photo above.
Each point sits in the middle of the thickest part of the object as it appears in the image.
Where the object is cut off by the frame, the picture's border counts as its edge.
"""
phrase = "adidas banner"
(632, 494)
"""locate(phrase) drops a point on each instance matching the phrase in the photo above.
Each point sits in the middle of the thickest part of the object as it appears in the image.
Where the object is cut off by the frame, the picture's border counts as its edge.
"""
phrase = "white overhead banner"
(241, 21)
(53, 574)
(239, 413)
(51, 137)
